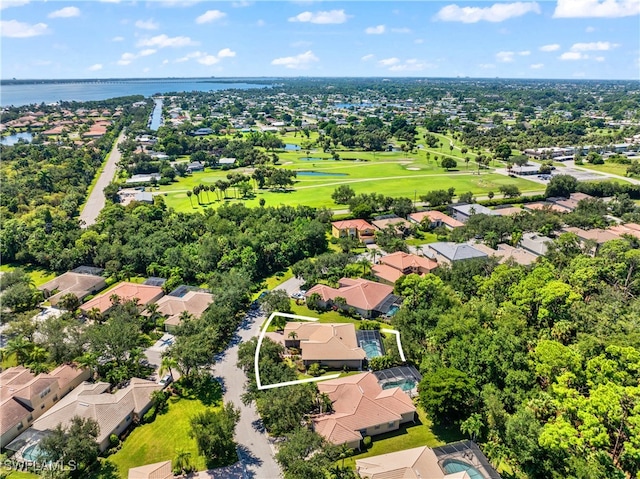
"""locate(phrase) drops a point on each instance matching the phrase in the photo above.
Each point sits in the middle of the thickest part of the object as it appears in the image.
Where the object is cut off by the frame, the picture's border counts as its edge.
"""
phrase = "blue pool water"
(452, 465)
(371, 348)
(392, 310)
(291, 147)
(319, 173)
(404, 384)
(31, 453)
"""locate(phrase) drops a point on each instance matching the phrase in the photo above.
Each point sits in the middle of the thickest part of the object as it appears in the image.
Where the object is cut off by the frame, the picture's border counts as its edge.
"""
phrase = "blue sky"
(107, 39)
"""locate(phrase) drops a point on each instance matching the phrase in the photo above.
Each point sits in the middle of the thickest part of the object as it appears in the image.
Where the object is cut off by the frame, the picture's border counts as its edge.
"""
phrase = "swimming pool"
(31, 453)
(371, 348)
(405, 384)
(453, 465)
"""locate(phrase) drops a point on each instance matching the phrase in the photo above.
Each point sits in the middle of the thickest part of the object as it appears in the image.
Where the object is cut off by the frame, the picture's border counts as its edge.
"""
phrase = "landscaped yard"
(407, 437)
(613, 168)
(38, 275)
(158, 441)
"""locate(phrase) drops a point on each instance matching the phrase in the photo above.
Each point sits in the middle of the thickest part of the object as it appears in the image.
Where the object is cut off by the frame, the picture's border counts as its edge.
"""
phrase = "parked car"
(165, 380)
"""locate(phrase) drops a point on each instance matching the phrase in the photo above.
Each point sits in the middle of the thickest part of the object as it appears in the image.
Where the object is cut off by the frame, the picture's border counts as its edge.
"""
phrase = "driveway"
(96, 200)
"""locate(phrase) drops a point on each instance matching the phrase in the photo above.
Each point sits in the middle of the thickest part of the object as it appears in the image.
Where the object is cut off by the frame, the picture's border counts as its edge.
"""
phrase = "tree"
(343, 194)
(75, 444)
(446, 394)
(182, 462)
(503, 151)
(562, 186)
(448, 163)
(510, 191)
(213, 432)
(276, 300)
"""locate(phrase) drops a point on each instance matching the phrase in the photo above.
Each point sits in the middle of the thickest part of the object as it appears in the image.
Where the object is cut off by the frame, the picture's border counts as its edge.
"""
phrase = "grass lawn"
(37, 274)
(158, 441)
(22, 475)
(423, 433)
(613, 168)
(278, 278)
(427, 238)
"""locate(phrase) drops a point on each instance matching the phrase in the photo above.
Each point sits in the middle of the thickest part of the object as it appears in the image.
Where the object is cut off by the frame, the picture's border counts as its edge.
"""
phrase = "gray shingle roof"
(456, 252)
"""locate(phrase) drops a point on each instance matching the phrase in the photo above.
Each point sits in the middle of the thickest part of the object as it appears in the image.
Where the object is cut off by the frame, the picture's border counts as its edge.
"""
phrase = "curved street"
(96, 200)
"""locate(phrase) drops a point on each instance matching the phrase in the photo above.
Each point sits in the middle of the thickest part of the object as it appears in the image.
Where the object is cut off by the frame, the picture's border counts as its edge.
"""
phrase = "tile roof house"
(631, 229)
(159, 470)
(506, 252)
(459, 460)
(113, 412)
(464, 212)
(25, 396)
(81, 285)
(331, 345)
(400, 225)
(598, 235)
(447, 252)
(367, 297)
(193, 302)
(359, 229)
(535, 243)
(393, 266)
(361, 408)
(125, 291)
(545, 206)
(570, 203)
(435, 219)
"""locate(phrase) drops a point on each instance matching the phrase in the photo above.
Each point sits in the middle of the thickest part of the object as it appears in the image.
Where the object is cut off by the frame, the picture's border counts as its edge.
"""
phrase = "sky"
(567, 39)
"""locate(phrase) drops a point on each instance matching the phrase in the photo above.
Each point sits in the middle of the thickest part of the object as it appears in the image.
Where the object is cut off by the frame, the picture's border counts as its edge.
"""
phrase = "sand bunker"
(413, 169)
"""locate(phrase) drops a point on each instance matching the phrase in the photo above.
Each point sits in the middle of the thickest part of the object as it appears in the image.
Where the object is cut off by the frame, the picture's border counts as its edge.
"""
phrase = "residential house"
(507, 211)
(447, 252)
(146, 178)
(505, 253)
(597, 235)
(368, 298)
(393, 266)
(114, 413)
(158, 470)
(145, 294)
(358, 229)
(435, 219)
(81, 285)
(570, 203)
(401, 226)
(195, 166)
(631, 229)
(361, 408)
(226, 161)
(535, 243)
(25, 397)
(545, 206)
(464, 212)
(172, 307)
(332, 345)
(451, 461)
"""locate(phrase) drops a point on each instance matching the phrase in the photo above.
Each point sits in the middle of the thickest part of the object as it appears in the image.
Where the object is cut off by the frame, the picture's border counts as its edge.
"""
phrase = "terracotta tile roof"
(600, 236)
(543, 205)
(417, 463)
(126, 291)
(194, 302)
(512, 210)
(436, 216)
(397, 222)
(387, 273)
(359, 403)
(359, 293)
(626, 229)
(507, 252)
(326, 341)
(357, 224)
(403, 261)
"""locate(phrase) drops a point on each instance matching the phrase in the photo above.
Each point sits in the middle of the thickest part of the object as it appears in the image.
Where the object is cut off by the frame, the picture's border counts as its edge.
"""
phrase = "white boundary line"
(263, 331)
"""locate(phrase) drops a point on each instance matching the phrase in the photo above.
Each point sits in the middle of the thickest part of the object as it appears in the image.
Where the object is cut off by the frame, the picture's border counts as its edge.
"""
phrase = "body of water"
(13, 139)
(291, 147)
(28, 93)
(156, 116)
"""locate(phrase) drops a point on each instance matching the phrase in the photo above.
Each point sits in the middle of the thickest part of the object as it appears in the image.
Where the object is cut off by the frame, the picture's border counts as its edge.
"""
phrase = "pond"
(319, 173)
(291, 147)
(311, 158)
(13, 139)
(156, 116)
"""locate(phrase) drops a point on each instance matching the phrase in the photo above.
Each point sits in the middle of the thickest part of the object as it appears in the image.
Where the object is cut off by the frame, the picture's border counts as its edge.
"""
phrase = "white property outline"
(263, 331)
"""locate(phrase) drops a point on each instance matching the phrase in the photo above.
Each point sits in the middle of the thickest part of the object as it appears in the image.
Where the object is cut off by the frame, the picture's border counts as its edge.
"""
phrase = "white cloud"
(486, 66)
(524, 53)
(12, 3)
(226, 53)
(178, 3)
(387, 62)
(261, 23)
(418, 41)
(599, 59)
(117, 39)
(66, 12)
(537, 66)
(301, 61)
(190, 56)
(16, 29)
(596, 8)
(498, 12)
(552, 47)
(163, 41)
(165, 61)
(322, 17)
(593, 47)
(210, 16)
(411, 65)
(401, 30)
(147, 52)
(505, 57)
(590, 29)
(571, 56)
(377, 30)
(109, 1)
(208, 60)
(126, 58)
(95, 68)
(147, 24)
(368, 57)
(146, 70)
(241, 4)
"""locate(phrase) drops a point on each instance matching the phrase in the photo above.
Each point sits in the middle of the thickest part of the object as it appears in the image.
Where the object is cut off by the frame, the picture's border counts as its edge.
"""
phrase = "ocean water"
(28, 93)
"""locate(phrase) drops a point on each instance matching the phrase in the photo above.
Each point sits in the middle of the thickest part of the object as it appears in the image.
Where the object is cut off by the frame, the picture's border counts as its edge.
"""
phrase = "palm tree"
(182, 462)
(293, 335)
(87, 360)
(20, 347)
(167, 364)
(95, 315)
(189, 195)
(345, 451)
(364, 262)
(324, 402)
(115, 299)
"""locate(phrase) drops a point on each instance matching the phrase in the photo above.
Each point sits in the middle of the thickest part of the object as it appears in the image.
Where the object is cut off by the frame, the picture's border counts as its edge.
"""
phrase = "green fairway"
(38, 275)
(159, 440)
(613, 168)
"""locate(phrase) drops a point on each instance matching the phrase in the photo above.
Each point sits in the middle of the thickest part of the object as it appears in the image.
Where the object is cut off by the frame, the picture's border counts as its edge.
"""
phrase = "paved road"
(96, 200)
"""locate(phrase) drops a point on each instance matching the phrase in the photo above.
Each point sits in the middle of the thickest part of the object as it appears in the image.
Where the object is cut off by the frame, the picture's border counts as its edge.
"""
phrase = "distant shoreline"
(34, 81)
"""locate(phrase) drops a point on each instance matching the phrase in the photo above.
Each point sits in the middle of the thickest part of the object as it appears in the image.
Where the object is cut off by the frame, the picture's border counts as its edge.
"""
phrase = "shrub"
(114, 440)
(149, 416)
(315, 370)
(367, 442)
(369, 325)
